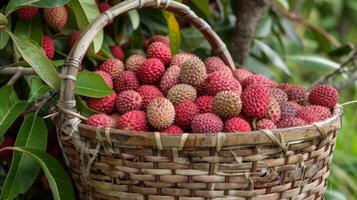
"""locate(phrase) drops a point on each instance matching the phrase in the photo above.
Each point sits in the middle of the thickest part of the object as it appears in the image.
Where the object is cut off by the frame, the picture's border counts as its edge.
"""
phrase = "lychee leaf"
(32, 134)
(16, 4)
(174, 32)
(91, 84)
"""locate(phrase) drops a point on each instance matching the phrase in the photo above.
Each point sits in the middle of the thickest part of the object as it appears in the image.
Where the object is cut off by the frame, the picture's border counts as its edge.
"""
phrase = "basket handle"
(74, 59)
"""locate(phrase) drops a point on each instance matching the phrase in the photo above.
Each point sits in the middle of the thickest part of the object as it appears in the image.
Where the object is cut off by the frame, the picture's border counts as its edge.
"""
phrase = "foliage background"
(299, 41)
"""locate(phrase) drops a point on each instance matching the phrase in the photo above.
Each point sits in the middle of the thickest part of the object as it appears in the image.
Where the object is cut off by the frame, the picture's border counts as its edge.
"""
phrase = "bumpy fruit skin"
(241, 73)
(113, 67)
(104, 105)
(214, 63)
(255, 101)
(173, 129)
(133, 121)
(26, 13)
(236, 124)
(133, 62)
(205, 104)
(128, 100)
(104, 7)
(220, 81)
(148, 93)
(160, 113)
(185, 112)
(180, 59)
(291, 122)
(313, 113)
(285, 86)
(296, 93)
(256, 79)
(48, 46)
(160, 51)
(101, 120)
(170, 78)
(324, 95)
(117, 52)
(265, 124)
(106, 77)
(288, 109)
(126, 80)
(181, 92)
(227, 104)
(278, 94)
(274, 112)
(74, 38)
(160, 38)
(150, 71)
(206, 123)
(115, 116)
(8, 142)
(193, 72)
(56, 17)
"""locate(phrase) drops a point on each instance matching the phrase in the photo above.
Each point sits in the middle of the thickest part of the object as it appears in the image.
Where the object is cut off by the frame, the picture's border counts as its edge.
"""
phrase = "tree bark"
(248, 13)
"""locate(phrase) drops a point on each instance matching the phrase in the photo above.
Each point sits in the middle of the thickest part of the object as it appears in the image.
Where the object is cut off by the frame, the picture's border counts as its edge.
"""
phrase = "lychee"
(265, 124)
(181, 92)
(323, 95)
(113, 67)
(104, 105)
(255, 101)
(181, 58)
(214, 63)
(256, 79)
(160, 38)
(128, 100)
(236, 124)
(206, 123)
(185, 112)
(313, 113)
(227, 104)
(133, 121)
(274, 112)
(288, 109)
(170, 78)
(173, 129)
(193, 72)
(160, 113)
(74, 38)
(126, 80)
(117, 52)
(55, 17)
(278, 94)
(160, 51)
(220, 81)
(26, 13)
(48, 46)
(133, 62)
(150, 71)
(101, 120)
(148, 93)
(241, 73)
(296, 93)
(291, 122)
(205, 104)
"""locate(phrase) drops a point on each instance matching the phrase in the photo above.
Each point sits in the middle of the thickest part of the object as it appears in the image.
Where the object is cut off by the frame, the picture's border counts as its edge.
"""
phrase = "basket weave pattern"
(109, 164)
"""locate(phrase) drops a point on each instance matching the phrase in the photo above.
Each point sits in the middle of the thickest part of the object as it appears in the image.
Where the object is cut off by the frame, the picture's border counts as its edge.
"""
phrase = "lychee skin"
(288, 109)
(104, 105)
(241, 73)
(255, 101)
(274, 112)
(128, 100)
(101, 120)
(117, 52)
(150, 71)
(104, 7)
(48, 46)
(148, 93)
(220, 81)
(115, 116)
(160, 113)
(324, 95)
(206, 123)
(106, 77)
(291, 122)
(256, 79)
(26, 13)
(170, 78)
(214, 63)
(160, 38)
(126, 80)
(56, 17)
(265, 124)
(134, 62)
(173, 129)
(185, 112)
(181, 58)
(74, 38)
(160, 51)
(227, 104)
(313, 113)
(133, 121)
(296, 93)
(205, 104)
(181, 92)
(236, 124)
(278, 94)
(193, 72)
(113, 67)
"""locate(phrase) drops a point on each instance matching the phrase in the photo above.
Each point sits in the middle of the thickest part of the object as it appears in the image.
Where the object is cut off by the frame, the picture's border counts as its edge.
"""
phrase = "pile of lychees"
(181, 93)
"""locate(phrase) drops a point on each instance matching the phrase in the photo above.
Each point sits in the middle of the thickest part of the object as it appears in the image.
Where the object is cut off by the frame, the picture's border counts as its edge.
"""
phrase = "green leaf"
(264, 27)
(273, 56)
(283, 3)
(24, 169)
(313, 62)
(83, 108)
(15, 4)
(3, 20)
(37, 59)
(203, 6)
(258, 67)
(174, 32)
(193, 39)
(59, 181)
(30, 29)
(86, 11)
(10, 108)
(91, 84)
(4, 37)
(134, 18)
(38, 88)
(334, 195)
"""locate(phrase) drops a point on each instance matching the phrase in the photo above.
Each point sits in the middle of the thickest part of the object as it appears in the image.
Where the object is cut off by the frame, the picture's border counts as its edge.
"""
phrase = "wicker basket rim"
(293, 134)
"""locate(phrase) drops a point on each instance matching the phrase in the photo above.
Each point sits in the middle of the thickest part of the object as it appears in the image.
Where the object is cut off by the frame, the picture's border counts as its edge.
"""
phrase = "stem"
(14, 70)
(349, 102)
(14, 78)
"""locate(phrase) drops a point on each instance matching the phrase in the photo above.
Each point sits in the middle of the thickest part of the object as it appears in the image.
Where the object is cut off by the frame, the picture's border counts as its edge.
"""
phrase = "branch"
(14, 70)
(248, 13)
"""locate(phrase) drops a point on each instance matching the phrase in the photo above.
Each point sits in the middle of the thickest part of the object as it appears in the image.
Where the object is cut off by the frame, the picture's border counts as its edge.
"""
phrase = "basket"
(290, 163)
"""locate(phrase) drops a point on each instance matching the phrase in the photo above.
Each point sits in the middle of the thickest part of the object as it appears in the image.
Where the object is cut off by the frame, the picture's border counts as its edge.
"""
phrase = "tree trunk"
(248, 13)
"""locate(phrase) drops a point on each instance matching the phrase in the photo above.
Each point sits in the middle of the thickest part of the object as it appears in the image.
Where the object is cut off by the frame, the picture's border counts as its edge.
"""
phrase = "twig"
(349, 102)
(14, 70)
(298, 19)
(14, 78)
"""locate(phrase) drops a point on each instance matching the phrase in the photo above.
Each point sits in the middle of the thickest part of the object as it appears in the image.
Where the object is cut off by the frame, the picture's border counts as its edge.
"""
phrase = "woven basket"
(290, 163)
